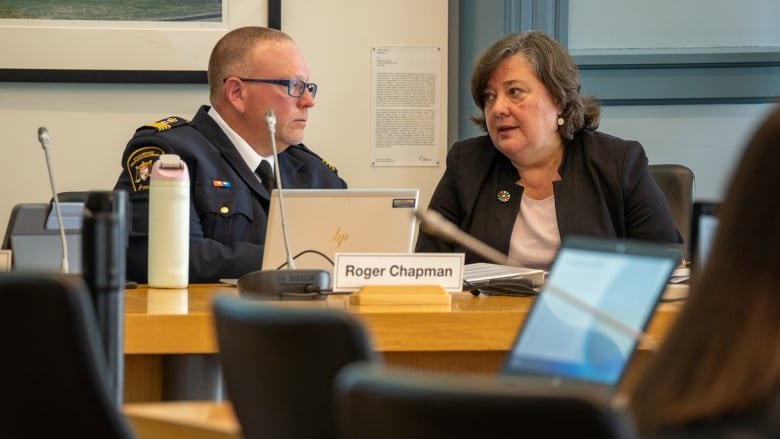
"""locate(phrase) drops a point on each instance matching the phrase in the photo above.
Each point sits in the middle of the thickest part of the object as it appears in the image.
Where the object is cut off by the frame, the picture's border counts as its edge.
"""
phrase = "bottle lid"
(170, 168)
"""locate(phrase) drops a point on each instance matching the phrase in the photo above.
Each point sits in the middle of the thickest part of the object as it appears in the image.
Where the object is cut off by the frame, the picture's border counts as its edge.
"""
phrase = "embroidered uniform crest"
(139, 166)
(142, 171)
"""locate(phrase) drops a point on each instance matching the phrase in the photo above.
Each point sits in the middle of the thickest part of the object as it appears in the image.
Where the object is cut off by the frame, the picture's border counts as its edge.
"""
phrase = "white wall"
(90, 123)
(335, 36)
(89, 126)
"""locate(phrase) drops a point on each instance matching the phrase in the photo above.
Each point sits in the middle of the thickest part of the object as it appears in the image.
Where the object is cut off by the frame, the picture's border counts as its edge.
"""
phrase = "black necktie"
(266, 176)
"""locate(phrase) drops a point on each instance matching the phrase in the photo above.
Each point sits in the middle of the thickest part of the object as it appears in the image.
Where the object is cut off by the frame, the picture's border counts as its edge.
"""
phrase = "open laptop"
(704, 222)
(339, 220)
(584, 326)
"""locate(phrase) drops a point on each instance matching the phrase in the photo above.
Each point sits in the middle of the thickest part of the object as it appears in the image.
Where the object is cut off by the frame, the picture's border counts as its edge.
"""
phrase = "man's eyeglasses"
(295, 88)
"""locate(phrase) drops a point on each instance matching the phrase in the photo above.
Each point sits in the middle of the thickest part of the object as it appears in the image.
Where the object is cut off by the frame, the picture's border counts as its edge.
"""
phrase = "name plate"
(356, 270)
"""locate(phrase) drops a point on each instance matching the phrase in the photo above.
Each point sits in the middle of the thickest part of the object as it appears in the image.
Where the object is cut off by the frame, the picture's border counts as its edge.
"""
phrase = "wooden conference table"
(473, 334)
(183, 419)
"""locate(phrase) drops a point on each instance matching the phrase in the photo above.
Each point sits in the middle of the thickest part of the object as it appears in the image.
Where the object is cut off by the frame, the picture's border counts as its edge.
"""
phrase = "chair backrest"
(53, 372)
(389, 403)
(72, 197)
(279, 364)
(677, 184)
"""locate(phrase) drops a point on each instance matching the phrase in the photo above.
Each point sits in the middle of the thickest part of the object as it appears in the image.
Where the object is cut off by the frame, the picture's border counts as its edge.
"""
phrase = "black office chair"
(71, 197)
(677, 184)
(279, 364)
(53, 372)
(379, 403)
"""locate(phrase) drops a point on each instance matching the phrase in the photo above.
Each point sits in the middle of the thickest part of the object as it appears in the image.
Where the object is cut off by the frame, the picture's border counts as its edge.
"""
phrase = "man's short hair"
(230, 55)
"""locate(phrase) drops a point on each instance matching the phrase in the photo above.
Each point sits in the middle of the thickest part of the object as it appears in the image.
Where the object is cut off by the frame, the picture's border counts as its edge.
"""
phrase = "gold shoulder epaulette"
(331, 167)
(166, 124)
(305, 149)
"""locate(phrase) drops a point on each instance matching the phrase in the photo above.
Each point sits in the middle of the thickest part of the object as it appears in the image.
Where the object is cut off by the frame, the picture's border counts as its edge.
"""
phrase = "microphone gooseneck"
(43, 137)
(270, 121)
(292, 283)
(433, 223)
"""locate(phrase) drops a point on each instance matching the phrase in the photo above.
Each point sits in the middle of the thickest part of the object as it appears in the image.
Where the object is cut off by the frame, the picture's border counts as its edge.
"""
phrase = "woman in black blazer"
(542, 171)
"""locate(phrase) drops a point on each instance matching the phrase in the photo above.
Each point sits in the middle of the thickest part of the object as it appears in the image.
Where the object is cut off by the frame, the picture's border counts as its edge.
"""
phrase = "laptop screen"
(616, 286)
(704, 222)
(328, 221)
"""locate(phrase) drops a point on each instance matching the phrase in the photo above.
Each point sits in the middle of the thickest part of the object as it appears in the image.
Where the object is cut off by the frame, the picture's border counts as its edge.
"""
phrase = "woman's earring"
(560, 121)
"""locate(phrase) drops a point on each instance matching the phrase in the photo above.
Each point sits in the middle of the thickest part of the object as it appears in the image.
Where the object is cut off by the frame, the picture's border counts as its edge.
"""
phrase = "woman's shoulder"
(476, 148)
(602, 140)
(595, 146)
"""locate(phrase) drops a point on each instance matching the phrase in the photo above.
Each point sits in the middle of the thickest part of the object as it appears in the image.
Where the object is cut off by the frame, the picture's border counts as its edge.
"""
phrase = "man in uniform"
(251, 70)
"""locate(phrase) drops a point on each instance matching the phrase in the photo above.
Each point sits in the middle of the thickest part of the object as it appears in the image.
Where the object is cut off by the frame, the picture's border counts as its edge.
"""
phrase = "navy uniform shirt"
(228, 205)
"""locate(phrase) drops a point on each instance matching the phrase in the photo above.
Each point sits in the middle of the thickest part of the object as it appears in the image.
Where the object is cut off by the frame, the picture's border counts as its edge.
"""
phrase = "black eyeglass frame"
(290, 83)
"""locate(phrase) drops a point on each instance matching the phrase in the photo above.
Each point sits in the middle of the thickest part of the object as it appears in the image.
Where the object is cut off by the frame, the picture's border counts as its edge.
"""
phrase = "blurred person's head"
(721, 357)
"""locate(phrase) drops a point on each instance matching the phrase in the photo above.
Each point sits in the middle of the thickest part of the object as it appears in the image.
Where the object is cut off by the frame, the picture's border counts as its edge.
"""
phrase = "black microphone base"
(298, 284)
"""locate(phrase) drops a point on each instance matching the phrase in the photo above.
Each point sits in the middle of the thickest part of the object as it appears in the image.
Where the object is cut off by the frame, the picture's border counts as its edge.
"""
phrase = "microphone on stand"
(434, 223)
(270, 121)
(43, 137)
(290, 283)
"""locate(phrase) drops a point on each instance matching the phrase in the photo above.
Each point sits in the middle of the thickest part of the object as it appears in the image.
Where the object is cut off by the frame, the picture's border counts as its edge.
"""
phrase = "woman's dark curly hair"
(552, 65)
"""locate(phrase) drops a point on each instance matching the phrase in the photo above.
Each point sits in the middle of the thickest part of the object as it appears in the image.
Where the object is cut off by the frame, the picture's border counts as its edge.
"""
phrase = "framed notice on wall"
(405, 105)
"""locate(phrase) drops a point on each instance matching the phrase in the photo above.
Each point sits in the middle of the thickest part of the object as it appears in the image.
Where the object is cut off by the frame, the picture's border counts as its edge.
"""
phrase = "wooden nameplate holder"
(400, 295)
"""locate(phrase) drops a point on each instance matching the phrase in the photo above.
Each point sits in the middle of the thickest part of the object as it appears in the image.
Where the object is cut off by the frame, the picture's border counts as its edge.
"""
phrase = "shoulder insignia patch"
(166, 124)
(139, 166)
